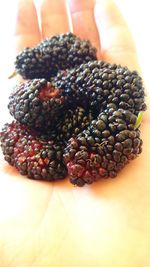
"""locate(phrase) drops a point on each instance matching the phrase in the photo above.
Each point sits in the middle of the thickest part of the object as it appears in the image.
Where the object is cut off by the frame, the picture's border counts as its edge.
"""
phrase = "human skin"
(105, 224)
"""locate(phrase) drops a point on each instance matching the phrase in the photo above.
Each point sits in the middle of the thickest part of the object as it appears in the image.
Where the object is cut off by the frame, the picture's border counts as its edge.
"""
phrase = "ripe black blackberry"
(36, 103)
(104, 148)
(72, 123)
(31, 154)
(97, 84)
(56, 53)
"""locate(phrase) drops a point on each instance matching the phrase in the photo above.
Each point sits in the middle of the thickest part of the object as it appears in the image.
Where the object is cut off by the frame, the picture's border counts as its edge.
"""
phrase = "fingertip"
(54, 17)
(27, 32)
(107, 11)
(116, 40)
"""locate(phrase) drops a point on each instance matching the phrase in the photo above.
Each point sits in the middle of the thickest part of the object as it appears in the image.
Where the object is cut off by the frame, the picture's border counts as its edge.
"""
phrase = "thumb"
(116, 40)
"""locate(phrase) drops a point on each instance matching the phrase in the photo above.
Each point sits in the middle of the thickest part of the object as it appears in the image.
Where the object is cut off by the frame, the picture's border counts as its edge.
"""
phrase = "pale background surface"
(135, 12)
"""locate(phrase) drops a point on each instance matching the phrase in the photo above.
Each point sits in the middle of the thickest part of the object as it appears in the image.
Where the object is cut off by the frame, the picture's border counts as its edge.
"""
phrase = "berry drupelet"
(32, 154)
(104, 148)
(56, 53)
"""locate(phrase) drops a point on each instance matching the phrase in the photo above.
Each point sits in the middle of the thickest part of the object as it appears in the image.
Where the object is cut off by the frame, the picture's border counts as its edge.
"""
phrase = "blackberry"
(36, 103)
(73, 121)
(97, 84)
(31, 154)
(56, 53)
(104, 148)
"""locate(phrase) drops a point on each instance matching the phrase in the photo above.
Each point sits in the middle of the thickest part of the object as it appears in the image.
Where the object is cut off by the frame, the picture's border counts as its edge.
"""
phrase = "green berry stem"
(138, 120)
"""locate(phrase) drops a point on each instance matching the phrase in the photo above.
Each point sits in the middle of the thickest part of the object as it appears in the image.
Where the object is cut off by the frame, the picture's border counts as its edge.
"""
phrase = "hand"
(46, 224)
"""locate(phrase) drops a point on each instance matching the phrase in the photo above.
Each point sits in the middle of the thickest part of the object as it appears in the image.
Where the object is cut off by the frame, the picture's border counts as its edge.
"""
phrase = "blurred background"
(136, 13)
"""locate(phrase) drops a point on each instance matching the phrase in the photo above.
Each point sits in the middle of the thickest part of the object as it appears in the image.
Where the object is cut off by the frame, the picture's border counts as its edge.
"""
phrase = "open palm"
(46, 224)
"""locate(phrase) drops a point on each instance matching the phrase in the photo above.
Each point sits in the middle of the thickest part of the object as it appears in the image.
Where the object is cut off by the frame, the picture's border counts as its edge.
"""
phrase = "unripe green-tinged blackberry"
(74, 121)
(36, 103)
(97, 84)
(31, 154)
(104, 148)
(56, 53)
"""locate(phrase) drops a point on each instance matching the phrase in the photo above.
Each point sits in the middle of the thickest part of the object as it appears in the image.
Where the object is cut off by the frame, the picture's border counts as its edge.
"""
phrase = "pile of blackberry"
(73, 115)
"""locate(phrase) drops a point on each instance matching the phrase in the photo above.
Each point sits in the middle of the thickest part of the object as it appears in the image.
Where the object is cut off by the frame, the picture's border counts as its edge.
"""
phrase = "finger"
(27, 33)
(54, 17)
(82, 13)
(116, 41)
